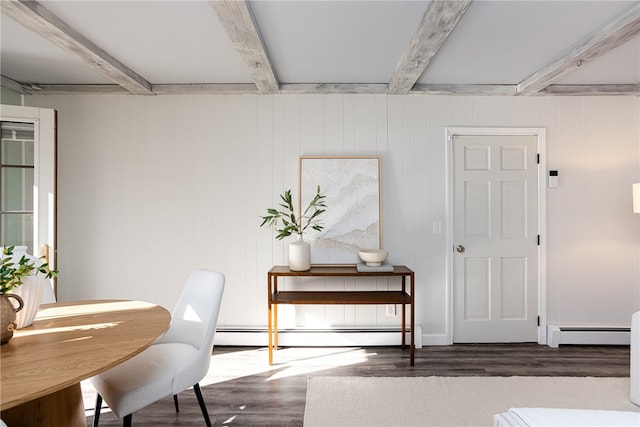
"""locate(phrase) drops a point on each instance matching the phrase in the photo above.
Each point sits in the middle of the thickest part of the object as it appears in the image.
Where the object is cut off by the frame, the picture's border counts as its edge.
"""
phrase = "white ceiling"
(348, 42)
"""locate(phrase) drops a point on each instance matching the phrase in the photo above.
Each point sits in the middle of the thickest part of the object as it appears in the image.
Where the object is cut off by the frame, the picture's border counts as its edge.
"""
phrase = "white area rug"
(452, 401)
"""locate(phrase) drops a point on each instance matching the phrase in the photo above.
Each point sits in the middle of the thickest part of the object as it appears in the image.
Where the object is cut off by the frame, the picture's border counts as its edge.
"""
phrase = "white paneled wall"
(153, 187)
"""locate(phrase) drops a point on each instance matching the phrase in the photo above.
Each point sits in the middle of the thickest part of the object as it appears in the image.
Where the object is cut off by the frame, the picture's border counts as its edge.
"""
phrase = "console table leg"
(270, 332)
(275, 326)
(412, 345)
(404, 322)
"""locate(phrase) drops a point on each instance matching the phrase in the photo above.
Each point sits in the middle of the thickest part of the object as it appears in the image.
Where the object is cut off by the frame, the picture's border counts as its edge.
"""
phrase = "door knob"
(460, 248)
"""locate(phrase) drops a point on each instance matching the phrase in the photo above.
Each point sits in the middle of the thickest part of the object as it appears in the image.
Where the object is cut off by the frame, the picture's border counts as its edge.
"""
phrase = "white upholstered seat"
(176, 361)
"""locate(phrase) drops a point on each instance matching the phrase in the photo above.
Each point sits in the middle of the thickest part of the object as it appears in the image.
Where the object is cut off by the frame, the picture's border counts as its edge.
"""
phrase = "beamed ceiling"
(479, 47)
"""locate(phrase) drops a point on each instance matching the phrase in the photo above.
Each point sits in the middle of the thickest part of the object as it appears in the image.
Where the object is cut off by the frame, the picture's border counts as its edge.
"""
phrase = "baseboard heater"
(594, 335)
(342, 337)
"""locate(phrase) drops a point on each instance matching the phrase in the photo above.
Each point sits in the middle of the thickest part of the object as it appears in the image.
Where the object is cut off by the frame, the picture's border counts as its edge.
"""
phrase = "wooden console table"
(339, 297)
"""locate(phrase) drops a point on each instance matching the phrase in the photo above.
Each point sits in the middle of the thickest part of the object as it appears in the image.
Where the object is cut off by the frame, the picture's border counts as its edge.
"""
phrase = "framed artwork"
(352, 221)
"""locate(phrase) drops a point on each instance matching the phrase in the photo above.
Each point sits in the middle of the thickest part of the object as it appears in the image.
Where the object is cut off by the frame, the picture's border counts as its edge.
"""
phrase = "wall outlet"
(391, 310)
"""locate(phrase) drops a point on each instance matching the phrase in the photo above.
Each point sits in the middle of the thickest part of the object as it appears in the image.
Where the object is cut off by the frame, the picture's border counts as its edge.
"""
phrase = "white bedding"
(508, 419)
(552, 417)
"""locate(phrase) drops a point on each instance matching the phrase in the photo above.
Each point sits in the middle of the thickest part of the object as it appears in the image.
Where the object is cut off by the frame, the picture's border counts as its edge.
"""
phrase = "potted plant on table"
(286, 223)
(12, 275)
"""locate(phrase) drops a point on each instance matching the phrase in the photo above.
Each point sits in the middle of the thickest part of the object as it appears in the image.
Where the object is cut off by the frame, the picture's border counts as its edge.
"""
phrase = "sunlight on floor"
(289, 362)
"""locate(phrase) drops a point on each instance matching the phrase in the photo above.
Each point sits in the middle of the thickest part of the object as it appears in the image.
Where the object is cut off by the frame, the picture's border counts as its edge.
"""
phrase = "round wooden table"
(43, 364)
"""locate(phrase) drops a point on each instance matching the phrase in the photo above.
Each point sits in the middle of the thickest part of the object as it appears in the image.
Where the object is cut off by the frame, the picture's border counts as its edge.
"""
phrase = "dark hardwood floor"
(242, 389)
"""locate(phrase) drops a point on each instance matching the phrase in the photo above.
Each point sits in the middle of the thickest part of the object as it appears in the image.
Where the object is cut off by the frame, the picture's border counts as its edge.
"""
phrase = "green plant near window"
(284, 219)
(11, 274)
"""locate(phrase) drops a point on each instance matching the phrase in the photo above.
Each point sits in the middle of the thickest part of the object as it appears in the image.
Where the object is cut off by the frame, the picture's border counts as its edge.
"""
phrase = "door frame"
(44, 121)
(540, 134)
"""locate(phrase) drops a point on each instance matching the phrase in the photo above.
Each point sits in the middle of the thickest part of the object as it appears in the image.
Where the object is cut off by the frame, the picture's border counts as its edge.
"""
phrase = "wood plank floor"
(242, 389)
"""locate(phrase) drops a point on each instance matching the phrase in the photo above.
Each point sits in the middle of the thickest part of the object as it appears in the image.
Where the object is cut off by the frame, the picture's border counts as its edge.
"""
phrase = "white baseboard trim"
(316, 337)
(594, 335)
(435, 339)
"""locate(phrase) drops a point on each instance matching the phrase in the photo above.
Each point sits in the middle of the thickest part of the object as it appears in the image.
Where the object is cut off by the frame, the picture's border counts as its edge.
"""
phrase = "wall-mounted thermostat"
(553, 179)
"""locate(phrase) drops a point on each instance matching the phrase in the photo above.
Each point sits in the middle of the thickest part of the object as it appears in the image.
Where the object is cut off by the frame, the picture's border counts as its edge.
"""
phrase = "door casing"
(540, 134)
(45, 174)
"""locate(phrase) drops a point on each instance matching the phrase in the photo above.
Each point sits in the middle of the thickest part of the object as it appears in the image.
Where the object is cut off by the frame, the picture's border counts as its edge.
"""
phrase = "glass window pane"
(17, 189)
(17, 144)
(29, 156)
(19, 153)
(16, 230)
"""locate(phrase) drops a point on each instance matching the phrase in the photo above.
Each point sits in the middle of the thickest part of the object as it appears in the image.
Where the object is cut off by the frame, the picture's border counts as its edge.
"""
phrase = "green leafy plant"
(11, 274)
(284, 219)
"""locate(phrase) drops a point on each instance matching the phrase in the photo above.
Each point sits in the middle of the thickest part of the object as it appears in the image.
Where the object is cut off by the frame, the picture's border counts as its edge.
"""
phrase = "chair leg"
(96, 414)
(205, 413)
(175, 402)
(127, 421)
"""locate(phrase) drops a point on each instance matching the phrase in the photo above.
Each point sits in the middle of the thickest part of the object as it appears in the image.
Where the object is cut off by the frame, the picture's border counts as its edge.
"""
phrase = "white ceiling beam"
(237, 18)
(593, 90)
(612, 35)
(439, 19)
(206, 89)
(34, 16)
(333, 88)
(15, 86)
(159, 89)
(79, 89)
(462, 89)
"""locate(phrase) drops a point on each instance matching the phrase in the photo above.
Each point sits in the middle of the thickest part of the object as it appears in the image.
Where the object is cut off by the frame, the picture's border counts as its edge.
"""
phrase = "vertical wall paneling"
(291, 143)
(333, 143)
(235, 145)
(444, 111)
(160, 185)
(312, 141)
(365, 134)
(348, 141)
(268, 128)
(597, 162)
(549, 115)
(423, 212)
(250, 232)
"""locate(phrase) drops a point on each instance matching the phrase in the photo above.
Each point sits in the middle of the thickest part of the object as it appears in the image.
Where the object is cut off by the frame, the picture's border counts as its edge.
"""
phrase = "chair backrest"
(195, 316)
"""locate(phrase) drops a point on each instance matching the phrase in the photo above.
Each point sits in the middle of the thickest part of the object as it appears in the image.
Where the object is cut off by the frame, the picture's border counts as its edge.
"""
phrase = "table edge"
(11, 403)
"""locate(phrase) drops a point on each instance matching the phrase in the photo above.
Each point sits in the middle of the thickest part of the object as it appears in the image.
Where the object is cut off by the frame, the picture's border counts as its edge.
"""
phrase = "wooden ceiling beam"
(592, 90)
(238, 20)
(206, 89)
(330, 88)
(15, 86)
(439, 19)
(37, 18)
(610, 36)
(333, 88)
(462, 89)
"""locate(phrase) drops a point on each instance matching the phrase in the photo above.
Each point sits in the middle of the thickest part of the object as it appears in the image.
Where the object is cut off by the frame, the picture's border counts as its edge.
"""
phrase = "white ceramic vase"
(30, 291)
(299, 255)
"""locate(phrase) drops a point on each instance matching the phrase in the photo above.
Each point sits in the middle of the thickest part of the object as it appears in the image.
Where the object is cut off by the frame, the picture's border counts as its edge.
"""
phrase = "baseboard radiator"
(594, 335)
(316, 337)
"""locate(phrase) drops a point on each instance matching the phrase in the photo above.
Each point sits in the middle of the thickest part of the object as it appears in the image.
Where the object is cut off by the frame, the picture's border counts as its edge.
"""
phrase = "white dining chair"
(176, 361)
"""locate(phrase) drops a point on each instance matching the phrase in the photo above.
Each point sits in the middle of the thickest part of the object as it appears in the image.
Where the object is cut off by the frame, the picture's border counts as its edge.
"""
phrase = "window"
(16, 184)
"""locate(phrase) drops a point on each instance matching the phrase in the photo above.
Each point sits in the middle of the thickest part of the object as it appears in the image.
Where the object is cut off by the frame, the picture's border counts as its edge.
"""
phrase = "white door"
(495, 238)
(27, 182)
